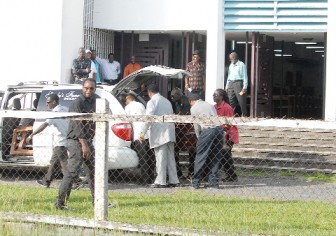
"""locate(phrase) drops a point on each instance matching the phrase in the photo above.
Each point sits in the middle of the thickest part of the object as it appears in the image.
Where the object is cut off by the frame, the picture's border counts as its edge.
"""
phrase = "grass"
(318, 177)
(187, 209)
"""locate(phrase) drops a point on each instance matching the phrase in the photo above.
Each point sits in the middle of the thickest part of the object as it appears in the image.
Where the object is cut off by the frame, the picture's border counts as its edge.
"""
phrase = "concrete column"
(72, 35)
(215, 51)
(330, 85)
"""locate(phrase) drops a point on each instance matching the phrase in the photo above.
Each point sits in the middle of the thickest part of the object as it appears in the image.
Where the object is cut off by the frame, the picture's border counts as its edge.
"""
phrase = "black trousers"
(209, 152)
(75, 162)
(237, 99)
(112, 82)
(146, 160)
(59, 157)
(227, 161)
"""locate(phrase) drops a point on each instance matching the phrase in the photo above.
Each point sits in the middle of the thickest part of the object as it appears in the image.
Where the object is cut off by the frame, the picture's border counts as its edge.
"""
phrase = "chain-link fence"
(229, 157)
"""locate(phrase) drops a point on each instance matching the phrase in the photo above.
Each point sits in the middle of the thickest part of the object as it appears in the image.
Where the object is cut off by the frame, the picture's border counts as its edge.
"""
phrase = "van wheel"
(114, 174)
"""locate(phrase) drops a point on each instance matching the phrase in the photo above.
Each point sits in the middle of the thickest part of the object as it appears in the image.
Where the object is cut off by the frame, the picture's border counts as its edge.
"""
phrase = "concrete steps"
(273, 148)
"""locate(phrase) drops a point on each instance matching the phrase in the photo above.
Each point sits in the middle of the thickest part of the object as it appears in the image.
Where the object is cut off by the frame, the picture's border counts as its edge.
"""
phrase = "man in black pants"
(80, 146)
(209, 145)
(59, 154)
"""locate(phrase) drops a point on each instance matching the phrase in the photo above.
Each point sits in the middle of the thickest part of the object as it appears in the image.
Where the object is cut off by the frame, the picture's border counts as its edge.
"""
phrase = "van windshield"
(66, 97)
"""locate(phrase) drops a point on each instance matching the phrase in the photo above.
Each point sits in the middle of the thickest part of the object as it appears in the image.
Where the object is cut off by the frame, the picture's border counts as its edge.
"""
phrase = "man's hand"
(85, 149)
(226, 127)
(86, 152)
(141, 138)
(226, 90)
(28, 139)
(88, 69)
(242, 92)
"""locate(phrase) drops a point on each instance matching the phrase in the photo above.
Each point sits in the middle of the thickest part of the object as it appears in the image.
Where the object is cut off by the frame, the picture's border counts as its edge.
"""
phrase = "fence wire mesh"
(262, 159)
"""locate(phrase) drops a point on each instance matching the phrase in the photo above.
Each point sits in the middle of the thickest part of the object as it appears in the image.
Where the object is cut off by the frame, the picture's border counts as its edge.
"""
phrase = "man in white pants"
(162, 139)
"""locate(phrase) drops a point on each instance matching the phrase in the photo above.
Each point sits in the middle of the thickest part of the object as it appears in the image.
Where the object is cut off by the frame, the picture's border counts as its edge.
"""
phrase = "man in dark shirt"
(80, 146)
(81, 67)
(183, 132)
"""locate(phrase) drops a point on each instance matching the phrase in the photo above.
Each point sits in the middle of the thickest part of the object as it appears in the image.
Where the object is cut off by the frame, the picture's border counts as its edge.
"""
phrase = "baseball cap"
(87, 51)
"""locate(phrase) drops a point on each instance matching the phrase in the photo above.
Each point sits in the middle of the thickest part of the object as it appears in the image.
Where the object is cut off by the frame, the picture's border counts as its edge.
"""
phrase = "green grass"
(187, 209)
(318, 177)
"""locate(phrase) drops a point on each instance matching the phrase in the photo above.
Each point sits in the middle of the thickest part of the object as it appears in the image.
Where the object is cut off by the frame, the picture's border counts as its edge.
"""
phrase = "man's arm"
(126, 71)
(118, 69)
(150, 110)
(80, 131)
(38, 130)
(245, 78)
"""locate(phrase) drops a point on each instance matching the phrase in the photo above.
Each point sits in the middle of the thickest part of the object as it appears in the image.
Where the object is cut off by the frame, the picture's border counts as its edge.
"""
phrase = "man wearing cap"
(81, 67)
(93, 72)
(210, 142)
(196, 81)
(110, 69)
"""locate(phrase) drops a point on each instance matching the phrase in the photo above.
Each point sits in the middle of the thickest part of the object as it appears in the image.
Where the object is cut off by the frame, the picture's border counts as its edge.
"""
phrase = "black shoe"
(61, 206)
(195, 187)
(43, 183)
(158, 186)
(174, 185)
(77, 186)
(212, 187)
(233, 178)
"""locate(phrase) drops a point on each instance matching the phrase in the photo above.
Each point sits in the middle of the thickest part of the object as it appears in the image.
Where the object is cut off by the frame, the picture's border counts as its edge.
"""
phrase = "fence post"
(101, 188)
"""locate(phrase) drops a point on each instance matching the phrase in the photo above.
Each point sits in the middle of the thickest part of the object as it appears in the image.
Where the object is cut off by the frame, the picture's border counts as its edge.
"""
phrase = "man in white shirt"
(110, 69)
(237, 82)
(161, 139)
(209, 145)
(59, 154)
(146, 155)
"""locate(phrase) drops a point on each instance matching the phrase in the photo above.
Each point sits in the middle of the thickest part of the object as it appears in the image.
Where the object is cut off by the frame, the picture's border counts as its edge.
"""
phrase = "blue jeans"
(209, 152)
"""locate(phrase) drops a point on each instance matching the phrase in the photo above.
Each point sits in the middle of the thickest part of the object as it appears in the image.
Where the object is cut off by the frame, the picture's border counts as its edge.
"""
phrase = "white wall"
(38, 38)
(152, 14)
(330, 86)
(167, 15)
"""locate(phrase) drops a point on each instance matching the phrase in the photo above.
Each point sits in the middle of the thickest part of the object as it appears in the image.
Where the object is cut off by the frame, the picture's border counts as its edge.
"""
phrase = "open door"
(261, 75)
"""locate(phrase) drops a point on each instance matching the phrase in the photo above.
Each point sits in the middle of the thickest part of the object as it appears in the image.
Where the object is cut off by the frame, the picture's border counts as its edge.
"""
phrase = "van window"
(26, 100)
(66, 97)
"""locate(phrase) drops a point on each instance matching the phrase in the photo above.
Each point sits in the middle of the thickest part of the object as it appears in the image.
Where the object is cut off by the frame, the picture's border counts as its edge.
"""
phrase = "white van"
(24, 96)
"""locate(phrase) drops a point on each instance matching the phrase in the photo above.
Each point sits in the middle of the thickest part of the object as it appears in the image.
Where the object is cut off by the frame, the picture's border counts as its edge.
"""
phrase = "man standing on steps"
(236, 85)
(59, 154)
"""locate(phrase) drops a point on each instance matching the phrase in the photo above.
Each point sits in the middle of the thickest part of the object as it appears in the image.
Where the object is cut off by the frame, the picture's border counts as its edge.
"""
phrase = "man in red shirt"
(223, 108)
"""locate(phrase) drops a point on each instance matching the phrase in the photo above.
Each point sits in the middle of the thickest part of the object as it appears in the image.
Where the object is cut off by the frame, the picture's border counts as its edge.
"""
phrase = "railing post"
(101, 185)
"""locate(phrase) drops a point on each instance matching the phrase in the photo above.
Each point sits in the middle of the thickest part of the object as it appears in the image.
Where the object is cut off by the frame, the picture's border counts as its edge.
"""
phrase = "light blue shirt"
(110, 71)
(237, 72)
(98, 80)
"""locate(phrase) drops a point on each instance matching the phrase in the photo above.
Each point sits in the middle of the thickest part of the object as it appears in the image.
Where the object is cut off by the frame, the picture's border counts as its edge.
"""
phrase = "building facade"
(166, 32)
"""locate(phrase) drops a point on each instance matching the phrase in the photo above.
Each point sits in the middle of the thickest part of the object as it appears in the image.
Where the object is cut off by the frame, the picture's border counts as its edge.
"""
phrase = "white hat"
(87, 51)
